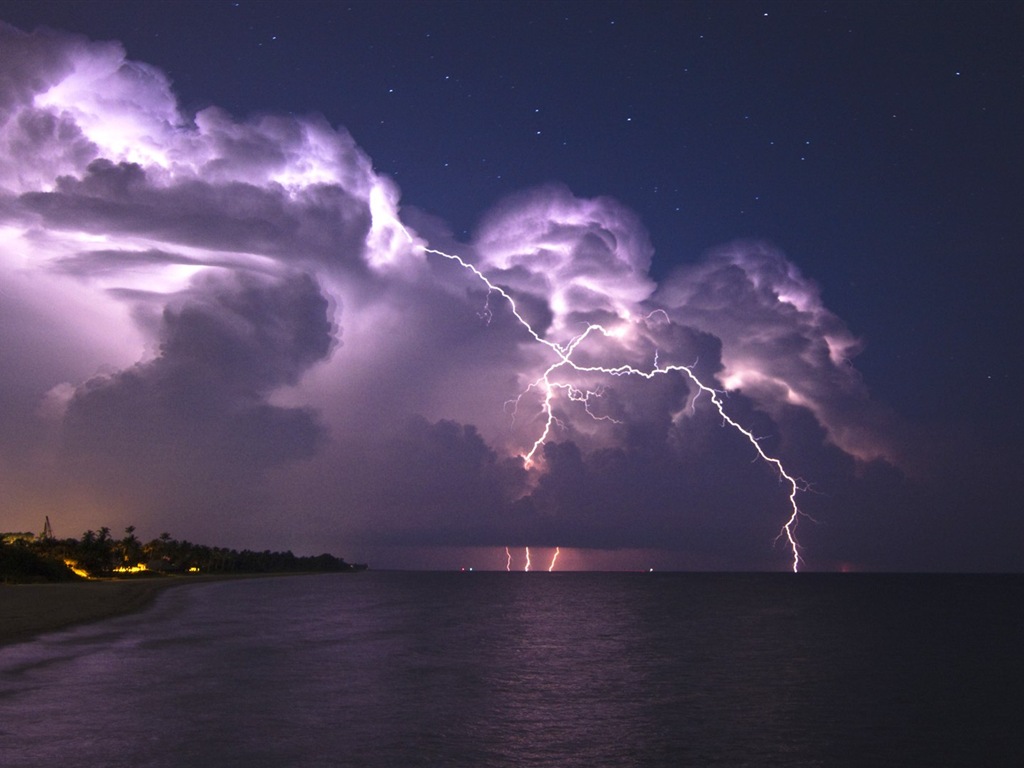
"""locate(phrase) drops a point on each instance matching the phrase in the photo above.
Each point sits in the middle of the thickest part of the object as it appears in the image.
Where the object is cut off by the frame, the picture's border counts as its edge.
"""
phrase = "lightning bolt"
(508, 560)
(563, 354)
(554, 559)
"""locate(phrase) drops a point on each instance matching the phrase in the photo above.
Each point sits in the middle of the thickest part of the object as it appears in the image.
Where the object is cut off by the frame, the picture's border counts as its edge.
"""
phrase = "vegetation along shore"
(48, 583)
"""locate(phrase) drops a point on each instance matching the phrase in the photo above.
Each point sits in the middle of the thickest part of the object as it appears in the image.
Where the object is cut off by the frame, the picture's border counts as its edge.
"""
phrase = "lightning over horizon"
(554, 559)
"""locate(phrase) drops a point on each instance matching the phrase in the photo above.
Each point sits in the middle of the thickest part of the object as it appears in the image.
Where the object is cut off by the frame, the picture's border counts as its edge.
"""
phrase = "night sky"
(230, 306)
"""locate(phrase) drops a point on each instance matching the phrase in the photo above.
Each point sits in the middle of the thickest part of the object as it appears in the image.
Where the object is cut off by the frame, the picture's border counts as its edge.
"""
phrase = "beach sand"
(27, 610)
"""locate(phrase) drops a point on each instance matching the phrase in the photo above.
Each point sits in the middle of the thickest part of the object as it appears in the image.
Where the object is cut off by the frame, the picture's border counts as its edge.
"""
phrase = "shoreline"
(30, 610)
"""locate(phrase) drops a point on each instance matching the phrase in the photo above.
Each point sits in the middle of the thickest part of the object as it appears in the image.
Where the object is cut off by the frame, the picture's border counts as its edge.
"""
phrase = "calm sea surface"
(533, 669)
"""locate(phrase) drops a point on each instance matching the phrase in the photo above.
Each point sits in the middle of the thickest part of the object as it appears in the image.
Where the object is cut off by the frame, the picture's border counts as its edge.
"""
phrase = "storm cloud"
(216, 324)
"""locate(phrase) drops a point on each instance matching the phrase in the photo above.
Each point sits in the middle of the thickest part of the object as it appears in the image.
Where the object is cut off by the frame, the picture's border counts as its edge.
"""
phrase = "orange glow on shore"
(77, 570)
(137, 568)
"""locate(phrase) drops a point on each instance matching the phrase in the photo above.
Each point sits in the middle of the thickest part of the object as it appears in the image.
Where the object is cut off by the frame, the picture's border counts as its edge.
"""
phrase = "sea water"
(532, 669)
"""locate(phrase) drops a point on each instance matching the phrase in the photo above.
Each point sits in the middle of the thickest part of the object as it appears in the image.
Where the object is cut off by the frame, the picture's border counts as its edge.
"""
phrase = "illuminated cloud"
(586, 259)
(210, 321)
(196, 417)
(780, 345)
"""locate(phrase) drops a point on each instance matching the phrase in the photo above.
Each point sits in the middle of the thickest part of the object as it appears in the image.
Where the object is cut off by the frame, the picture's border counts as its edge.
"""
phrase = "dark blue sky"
(877, 145)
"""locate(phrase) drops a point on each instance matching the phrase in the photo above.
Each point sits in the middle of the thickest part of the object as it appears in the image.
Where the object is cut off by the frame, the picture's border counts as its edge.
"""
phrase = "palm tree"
(129, 548)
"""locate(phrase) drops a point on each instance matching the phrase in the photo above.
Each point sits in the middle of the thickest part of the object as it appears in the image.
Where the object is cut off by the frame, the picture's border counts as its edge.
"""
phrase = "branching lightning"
(563, 353)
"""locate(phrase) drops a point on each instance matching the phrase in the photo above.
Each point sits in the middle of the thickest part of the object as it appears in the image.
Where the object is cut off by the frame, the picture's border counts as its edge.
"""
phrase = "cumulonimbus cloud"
(248, 309)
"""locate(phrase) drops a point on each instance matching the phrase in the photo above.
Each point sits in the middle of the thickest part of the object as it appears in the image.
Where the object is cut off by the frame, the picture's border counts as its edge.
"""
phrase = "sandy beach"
(27, 610)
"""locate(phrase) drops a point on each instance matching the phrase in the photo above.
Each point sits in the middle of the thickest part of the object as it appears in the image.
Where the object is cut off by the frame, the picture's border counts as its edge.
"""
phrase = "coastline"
(30, 610)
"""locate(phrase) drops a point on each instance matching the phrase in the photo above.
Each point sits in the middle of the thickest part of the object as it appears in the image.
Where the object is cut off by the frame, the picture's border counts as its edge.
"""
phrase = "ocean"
(410, 669)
